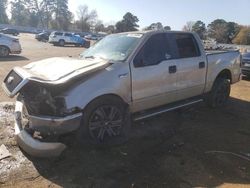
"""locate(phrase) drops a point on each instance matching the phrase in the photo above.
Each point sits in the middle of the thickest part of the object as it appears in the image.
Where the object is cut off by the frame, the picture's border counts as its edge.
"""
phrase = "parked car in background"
(65, 38)
(124, 76)
(210, 44)
(9, 31)
(9, 45)
(245, 68)
(82, 34)
(44, 36)
(94, 37)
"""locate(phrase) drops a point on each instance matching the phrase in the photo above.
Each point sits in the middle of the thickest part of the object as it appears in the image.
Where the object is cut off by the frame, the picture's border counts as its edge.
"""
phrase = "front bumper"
(35, 147)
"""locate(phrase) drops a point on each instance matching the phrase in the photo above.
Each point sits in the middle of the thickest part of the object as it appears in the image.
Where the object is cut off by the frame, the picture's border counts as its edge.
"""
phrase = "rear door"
(154, 74)
(191, 66)
(68, 38)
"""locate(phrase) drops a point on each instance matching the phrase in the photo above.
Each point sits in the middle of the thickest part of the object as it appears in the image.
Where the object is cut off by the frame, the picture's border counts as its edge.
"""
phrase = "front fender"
(113, 80)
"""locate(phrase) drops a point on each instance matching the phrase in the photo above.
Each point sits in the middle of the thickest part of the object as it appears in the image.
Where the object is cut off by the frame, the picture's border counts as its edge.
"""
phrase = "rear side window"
(186, 45)
(68, 34)
(155, 50)
(58, 33)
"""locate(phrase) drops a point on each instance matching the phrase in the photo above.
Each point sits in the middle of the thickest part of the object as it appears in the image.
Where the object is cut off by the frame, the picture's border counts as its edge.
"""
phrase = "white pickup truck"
(122, 77)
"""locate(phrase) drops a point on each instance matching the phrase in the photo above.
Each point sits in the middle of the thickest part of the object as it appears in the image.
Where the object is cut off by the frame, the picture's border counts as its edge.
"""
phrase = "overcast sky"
(174, 13)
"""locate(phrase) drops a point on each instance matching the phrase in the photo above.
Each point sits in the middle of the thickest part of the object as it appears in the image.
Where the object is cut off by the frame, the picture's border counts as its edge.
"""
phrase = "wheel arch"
(107, 96)
(6, 47)
(226, 73)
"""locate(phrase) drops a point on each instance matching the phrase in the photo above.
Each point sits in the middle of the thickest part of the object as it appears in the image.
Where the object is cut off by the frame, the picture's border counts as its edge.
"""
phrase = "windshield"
(113, 47)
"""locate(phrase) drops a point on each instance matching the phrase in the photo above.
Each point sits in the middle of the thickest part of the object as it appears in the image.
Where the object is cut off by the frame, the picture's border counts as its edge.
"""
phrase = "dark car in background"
(44, 36)
(10, 31)
(94, 36)
(245, 68)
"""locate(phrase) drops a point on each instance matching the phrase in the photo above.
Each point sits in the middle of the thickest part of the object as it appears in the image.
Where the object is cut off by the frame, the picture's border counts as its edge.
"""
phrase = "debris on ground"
(4, 152)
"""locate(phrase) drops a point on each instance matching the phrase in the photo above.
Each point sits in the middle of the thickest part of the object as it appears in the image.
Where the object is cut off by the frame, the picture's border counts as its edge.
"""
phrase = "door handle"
(201, 65)
(172, 69)
(123, 75)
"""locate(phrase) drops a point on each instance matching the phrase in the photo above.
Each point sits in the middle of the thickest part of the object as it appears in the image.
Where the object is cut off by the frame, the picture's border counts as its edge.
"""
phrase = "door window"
(68, 34)
(155, 50)
(58, 34)
(186, 45)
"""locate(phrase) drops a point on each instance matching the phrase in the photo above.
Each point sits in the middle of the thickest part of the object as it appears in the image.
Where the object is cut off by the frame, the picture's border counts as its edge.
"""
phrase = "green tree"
(218, 30)
(47, 7)
(110, 29)
(62, 15)
(155, 26)
(19, 13)
(128, 23)
(167, 28)
(222, 31)
(35, 14)
(200, 28)
(3, 16)
(232, 30)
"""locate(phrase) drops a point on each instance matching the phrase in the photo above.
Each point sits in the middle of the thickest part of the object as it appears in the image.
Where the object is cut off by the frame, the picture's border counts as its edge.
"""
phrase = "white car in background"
(63, 38)
(9, 45)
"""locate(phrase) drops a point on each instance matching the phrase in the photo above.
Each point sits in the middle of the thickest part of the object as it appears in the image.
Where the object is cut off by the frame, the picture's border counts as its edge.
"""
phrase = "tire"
(220, 93)
(105, 121)
(4, 51)
(61, 42)
(86, 44)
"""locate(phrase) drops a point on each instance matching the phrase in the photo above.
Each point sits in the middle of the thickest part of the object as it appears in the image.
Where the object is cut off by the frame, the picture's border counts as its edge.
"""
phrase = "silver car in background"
(9, 45)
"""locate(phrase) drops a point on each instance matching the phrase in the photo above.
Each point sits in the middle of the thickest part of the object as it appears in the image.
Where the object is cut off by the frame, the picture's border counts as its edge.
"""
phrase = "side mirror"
(138, 63)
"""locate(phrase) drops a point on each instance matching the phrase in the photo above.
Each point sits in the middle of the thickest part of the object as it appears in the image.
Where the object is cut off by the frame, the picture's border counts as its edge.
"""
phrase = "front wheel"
(106, 120)
(61, 42)
(220, 93)
(4, 51)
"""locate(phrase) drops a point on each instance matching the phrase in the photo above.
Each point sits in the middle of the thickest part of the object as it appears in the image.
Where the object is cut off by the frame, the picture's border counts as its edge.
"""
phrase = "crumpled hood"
(56, 68)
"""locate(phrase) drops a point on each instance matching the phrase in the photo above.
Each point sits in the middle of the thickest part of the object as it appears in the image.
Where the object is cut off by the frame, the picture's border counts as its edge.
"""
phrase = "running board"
(161, 110)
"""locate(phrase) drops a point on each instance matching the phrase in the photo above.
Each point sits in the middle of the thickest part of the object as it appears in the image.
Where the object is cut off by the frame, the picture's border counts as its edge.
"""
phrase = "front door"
(154, 74)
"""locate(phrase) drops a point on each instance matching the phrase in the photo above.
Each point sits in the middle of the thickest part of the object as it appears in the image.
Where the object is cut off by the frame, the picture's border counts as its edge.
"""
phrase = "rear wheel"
(105, 121)
(61, 42)
(4, 51)
(220, 93)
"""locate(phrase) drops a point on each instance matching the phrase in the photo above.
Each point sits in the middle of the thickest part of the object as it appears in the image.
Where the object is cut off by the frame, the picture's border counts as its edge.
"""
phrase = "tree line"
(220, 30)
(55, 15)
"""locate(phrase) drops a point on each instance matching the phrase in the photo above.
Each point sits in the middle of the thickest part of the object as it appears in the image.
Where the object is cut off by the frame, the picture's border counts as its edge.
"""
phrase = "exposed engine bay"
(39, 100)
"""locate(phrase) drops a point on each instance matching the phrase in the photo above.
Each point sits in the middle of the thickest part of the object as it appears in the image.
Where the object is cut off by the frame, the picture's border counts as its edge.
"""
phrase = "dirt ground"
(192, 147)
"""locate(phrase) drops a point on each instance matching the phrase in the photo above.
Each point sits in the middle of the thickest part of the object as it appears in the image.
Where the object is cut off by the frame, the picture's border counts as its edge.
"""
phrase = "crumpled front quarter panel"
(115, 80)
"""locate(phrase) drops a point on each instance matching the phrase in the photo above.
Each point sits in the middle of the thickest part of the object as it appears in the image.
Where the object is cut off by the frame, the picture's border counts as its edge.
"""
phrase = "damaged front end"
(40, 114)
